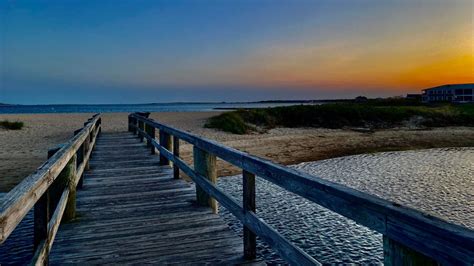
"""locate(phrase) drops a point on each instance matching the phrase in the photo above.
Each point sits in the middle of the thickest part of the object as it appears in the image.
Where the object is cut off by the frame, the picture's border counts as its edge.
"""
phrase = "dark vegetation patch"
(340, 115)
(11, 125)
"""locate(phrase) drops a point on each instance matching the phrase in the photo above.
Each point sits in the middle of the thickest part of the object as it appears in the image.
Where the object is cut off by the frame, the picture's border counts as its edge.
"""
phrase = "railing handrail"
(440, 240)
(21, 199)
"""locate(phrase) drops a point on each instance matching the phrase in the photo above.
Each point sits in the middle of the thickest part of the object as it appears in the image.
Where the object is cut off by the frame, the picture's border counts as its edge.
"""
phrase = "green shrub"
(11, 125)
(229, 122)
(338, 115)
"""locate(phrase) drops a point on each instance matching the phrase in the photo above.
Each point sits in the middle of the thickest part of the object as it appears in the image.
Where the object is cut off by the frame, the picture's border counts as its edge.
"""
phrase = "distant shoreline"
(129, 108)
(185, 103)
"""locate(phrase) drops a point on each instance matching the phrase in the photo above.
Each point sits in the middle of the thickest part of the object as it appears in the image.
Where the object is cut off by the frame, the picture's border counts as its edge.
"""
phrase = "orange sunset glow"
(313, 49)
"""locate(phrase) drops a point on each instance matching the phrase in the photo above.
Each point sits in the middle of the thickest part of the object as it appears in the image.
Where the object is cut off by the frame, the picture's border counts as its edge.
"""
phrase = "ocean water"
(435, 181)
(108, 108)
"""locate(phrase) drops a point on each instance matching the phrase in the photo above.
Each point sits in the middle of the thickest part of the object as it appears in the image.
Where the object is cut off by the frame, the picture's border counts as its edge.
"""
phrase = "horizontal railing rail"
(51, 190)
(408, 234)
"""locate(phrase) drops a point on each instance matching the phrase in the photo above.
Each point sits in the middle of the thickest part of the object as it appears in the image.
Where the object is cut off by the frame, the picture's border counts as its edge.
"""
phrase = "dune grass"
(340, 115)
(17, 125)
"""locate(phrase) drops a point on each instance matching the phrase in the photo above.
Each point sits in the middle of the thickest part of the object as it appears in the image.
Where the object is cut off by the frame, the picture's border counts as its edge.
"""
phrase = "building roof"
(452, 86)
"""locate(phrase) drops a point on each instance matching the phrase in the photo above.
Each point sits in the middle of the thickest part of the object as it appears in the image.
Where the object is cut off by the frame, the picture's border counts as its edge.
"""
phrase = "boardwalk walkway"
(131, 210)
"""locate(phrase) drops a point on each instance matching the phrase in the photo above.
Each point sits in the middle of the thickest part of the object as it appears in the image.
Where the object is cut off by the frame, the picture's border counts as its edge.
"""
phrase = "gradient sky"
(230, 50)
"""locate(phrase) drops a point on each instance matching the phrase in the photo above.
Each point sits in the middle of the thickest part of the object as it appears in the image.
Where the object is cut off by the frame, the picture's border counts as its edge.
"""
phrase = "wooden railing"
(410, 236)
(51, 189)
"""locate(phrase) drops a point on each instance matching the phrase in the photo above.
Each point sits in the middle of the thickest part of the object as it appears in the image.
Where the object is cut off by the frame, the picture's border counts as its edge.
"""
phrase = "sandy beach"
(21, 152)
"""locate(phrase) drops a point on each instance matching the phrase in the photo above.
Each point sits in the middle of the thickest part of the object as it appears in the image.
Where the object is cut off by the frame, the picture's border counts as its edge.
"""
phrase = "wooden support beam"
(69, 175)
(130, 119)
(398, 254)
(134, 123)
(165, 142)
(205, 165)
(41, 218)
(150, 130)
(67, 178)
(176, 154)
(250, 239)
(141, 126)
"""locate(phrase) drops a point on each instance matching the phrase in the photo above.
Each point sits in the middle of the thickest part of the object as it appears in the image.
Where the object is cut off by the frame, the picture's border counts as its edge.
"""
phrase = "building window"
(458, 91)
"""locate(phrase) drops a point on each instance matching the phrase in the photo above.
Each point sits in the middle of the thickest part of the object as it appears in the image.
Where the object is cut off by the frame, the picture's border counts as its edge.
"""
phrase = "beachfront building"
(457, 93)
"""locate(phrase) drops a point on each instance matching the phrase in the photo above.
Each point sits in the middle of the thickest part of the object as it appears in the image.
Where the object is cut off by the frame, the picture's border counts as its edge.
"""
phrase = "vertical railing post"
(165, 142)
(151, 132)
(176, 154)
(69, 175)
(141, 126)
(65, 179)
(42, 214)
(398, 254)
(134, 123)
(250, 239)
(205, 165)
(130, 128)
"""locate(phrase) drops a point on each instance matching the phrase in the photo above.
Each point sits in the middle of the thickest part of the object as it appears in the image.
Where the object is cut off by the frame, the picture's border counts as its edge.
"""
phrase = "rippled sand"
(436, 181)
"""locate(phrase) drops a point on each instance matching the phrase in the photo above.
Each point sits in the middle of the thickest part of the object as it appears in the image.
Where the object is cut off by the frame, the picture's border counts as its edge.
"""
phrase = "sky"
(138, 51)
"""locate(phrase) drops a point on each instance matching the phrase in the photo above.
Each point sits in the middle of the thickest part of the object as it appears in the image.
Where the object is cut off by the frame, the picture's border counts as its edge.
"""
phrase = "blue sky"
(156, 51)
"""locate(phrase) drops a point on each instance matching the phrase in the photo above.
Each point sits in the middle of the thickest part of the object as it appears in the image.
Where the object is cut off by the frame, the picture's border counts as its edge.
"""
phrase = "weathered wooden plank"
(149, 256)
(120, 169)
(111, 180)
(158, 243)
(110, 165)
(129, 221)
(144, 231)
(143, 194)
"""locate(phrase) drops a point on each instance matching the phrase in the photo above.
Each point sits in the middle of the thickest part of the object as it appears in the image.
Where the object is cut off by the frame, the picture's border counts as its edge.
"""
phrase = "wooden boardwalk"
(108, 200)
(131, 210)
